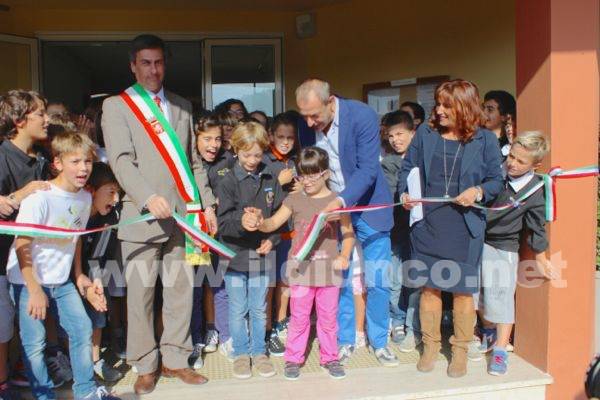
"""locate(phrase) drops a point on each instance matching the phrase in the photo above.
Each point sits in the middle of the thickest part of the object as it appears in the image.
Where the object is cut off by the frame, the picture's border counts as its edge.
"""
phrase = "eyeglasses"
(309, 178)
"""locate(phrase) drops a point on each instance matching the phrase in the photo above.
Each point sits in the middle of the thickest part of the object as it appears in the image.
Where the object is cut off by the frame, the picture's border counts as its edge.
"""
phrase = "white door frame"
(207, 67)
(33, 55)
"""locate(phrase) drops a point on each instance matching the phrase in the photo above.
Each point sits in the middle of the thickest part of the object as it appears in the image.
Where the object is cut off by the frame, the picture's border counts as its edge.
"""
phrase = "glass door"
(19, 66)
(244, 69)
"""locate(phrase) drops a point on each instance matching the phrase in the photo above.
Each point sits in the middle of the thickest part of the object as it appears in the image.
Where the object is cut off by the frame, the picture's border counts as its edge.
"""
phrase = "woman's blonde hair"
(247, 134)
(535, 142)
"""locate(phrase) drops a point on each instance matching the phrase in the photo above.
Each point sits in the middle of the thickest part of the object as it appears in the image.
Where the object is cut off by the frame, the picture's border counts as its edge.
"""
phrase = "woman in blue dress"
(461, 161)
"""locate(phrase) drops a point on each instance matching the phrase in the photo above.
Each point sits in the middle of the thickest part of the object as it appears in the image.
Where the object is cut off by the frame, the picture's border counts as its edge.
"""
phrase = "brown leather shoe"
(145, 384)
(186, 375)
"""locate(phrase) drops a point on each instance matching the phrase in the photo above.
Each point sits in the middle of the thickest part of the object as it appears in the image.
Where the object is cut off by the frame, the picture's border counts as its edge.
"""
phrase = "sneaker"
(241, 367)
(274, 345)
(398, 334)
(212, 341)
(59, 368)
(334, 369)
(106, 372)
(510, 348)
(8, 393)
(18, 378)
(263, 365)
(291, 371)
(473, 350)
(488, 340)
(361, 340)
(498, 363)
(409, 343)
(281, 328)
(100, 394)
(226, 349)
(386, 357)
(195, 359)
(344, 353)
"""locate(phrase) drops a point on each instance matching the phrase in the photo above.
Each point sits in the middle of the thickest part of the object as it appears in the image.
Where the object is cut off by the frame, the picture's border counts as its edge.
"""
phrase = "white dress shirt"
(330, 143)
(164, 103)
(520, 182)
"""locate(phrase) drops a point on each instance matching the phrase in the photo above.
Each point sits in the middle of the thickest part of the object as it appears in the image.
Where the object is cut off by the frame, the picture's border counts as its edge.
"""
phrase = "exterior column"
(558, 92)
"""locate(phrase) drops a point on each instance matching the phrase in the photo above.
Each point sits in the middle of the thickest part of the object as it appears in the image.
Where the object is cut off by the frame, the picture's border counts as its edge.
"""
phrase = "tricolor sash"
(165, 139)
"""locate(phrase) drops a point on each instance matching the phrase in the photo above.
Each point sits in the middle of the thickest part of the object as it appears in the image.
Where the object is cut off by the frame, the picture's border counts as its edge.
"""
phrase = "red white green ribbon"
(165, 139)
(319, 220)
(35, 230)
(550, 184)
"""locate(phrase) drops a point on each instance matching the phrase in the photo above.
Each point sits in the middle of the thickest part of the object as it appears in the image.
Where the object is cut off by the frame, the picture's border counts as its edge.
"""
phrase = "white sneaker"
(226, 349)
(386, 357)
(211, 341)
(409, 343)
(473, 352)
(345, 351)
(361, 340)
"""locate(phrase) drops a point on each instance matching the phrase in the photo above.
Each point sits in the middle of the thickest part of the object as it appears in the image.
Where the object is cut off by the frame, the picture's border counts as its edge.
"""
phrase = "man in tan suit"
(155, 247)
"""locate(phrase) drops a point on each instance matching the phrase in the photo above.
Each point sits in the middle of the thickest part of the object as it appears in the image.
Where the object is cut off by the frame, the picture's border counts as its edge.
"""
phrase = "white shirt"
(164, 103)
(330, 143)
(520, 182)
(52, 258)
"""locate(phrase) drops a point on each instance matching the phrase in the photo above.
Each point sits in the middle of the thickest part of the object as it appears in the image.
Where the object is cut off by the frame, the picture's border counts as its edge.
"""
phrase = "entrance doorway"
(204, 71)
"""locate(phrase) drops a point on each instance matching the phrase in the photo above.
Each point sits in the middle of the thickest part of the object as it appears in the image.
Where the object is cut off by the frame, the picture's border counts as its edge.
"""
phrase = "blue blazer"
(481, 166)
(359, 147)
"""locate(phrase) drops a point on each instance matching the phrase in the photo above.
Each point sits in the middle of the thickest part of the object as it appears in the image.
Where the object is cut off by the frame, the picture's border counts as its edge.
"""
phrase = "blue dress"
(441, 241)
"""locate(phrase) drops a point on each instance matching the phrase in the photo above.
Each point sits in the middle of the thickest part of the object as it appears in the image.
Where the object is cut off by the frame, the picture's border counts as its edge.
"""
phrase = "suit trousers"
(144, 262)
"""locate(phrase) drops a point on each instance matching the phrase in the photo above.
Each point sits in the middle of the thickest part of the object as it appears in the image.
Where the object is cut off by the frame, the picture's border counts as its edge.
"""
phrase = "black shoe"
(291, 371)
(195, 359)
(334, 369)
(276, 348)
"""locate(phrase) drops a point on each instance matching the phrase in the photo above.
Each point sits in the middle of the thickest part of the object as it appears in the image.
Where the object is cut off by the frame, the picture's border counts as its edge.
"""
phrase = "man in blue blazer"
(349, 131)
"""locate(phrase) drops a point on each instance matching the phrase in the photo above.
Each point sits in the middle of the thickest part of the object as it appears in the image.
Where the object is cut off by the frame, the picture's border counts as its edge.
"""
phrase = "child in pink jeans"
(318, 278)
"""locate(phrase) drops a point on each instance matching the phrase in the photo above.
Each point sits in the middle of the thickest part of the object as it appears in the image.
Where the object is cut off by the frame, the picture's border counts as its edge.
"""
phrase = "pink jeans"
(326, 299)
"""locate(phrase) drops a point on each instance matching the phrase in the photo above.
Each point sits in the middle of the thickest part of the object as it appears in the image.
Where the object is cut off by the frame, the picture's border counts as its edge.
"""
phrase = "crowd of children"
(268, 190)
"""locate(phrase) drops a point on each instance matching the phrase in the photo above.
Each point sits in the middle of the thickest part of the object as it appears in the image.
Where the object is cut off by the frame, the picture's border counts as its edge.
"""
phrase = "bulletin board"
(385, 97)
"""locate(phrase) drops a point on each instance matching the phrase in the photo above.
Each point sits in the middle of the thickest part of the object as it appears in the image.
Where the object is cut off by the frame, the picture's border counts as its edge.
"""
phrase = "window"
(245, 69)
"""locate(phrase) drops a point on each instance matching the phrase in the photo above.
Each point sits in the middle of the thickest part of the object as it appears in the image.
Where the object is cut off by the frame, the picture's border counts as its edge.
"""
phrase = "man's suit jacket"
(141, 171)
(481, 166)
(359, 149)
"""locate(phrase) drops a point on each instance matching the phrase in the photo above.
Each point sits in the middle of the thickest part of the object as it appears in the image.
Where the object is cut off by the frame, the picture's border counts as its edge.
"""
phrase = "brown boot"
(432, 339)
(186, 375)
(145, 384)
(463, 335)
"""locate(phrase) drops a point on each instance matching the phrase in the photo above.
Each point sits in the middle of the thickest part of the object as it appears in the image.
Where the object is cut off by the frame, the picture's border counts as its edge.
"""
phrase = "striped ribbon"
(548, 182)
(35, 230)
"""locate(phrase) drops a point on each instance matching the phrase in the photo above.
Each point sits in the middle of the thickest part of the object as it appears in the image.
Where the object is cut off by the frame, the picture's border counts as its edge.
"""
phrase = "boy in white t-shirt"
(39, 268)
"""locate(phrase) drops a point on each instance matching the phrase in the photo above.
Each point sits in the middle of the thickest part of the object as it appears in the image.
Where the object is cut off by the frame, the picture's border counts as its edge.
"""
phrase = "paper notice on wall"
(414, 191)
(425, 97)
